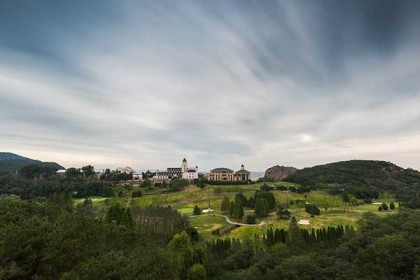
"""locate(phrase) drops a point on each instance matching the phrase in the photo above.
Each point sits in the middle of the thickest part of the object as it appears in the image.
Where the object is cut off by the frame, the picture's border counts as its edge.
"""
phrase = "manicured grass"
(205, 224)
(185, 201)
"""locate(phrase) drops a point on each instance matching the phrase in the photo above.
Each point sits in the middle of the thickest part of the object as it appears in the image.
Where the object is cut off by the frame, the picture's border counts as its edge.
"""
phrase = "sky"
(221, 83)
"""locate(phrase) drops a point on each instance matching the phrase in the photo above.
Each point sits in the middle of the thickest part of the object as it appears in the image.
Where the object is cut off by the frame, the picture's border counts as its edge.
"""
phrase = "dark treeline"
(79, 186)
(56, 240)
(386, 248)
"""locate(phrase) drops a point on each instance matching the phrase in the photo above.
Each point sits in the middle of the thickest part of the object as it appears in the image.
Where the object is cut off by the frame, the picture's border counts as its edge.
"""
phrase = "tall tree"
(261, 208)
(88, 170)
(127, 219)
(238, 211)
(225, 205)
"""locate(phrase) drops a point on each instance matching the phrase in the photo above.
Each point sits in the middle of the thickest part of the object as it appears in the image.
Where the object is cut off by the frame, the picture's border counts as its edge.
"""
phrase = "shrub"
(197, 210)
(380, 208)
(384, 206)
(283, 213)
(312, 209)
(136, 194)
(392, 206)
(250, 219)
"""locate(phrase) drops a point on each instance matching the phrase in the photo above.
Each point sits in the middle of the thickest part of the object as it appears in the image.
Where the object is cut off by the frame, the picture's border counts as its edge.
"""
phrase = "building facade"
(126, 170)
(184, 172)
(228, 175)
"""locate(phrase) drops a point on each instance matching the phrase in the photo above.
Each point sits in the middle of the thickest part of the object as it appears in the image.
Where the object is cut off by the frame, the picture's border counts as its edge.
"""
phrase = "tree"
(231, 208)
(73, 172)
(312, 209)
(114, 214)
(147, 175)
(238, 211)
(88, 170)
(197, 210)
(225, 205)
(283, 213)
(197, 272)
(201, 183)
(136, 194)
(86, 208)
(250, 219)
(127, 219)
(146, 183)
(179, 184)
(294, 234)
(392, 206)
(181, 250)
(261, 207)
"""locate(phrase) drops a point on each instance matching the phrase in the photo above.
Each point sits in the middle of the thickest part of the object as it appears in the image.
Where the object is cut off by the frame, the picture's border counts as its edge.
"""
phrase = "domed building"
(228, 175)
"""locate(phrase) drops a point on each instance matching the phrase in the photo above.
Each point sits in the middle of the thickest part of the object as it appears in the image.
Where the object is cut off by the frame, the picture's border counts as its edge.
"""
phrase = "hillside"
(10, 162)
(358, 173)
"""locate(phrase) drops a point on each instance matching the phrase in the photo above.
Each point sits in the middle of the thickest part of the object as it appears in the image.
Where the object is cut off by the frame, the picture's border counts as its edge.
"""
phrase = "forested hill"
(362, 173)
(10, 162)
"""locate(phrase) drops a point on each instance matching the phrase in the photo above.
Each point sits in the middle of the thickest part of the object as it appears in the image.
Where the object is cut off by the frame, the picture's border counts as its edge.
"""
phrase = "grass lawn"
(185, 201)
(205, 224)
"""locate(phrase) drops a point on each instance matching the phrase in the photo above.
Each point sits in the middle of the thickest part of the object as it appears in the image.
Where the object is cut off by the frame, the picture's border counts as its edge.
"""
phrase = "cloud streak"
(219, 82)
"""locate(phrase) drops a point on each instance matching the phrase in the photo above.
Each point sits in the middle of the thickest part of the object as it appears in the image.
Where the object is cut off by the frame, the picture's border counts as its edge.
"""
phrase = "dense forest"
(53, 239)
(78, 186)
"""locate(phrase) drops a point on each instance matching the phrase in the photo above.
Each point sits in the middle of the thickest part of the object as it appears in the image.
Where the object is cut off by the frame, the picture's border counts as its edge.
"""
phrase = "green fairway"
(212, 196)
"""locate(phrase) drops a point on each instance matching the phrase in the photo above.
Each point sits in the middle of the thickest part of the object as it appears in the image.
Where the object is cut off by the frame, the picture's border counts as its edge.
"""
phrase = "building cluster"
(221, 174)
(183, 172)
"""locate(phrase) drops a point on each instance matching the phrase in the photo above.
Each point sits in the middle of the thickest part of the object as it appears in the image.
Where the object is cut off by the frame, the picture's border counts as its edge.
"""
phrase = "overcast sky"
(147, 83)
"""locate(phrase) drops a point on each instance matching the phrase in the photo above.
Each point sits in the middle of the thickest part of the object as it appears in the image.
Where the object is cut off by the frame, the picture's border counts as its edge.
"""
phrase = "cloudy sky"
(224, 82)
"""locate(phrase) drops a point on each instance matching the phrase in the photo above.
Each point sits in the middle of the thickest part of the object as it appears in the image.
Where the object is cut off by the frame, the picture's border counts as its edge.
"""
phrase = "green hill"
(10, 163)
(378, 175)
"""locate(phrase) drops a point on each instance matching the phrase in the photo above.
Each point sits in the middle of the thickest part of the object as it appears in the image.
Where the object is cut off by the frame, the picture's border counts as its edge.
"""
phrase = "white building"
(126, 170)
(189, 173)
(184, 172)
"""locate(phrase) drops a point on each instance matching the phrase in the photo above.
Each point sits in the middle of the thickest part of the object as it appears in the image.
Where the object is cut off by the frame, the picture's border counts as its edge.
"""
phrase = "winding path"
(232, 222)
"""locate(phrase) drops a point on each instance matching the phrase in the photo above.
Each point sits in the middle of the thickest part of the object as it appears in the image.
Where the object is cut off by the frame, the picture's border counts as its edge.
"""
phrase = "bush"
(216, 231)
(197, 210)
(312, 209)
(136, 194)
(179, 184)
(384, 206)
(250, 219)
(283, 213)
(392, 206)
(380, 208)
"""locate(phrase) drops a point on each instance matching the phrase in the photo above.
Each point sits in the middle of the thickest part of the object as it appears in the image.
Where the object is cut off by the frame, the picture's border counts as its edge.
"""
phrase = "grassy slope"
(185, 201)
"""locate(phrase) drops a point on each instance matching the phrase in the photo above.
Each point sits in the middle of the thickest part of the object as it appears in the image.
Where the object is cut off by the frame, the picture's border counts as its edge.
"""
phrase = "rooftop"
(221, 169)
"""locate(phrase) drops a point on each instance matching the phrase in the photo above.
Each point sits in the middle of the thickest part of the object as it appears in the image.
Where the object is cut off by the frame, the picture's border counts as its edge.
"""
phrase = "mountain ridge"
(11, 162)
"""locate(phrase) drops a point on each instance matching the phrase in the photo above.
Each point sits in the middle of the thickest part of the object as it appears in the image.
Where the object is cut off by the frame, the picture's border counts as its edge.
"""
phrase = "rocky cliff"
(278, 172)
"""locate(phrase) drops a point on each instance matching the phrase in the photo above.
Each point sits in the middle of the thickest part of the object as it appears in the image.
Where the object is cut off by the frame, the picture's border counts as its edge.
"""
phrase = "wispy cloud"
(219, 82)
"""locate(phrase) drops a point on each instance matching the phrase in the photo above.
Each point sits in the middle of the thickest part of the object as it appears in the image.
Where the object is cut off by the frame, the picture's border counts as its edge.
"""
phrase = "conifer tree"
(238, 211)
(261, 207)
(225, 205)
(197, 210)
(127, 219)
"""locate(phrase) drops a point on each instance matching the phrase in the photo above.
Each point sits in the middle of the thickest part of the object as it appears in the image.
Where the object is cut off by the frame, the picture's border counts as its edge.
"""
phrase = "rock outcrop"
(277, 173)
